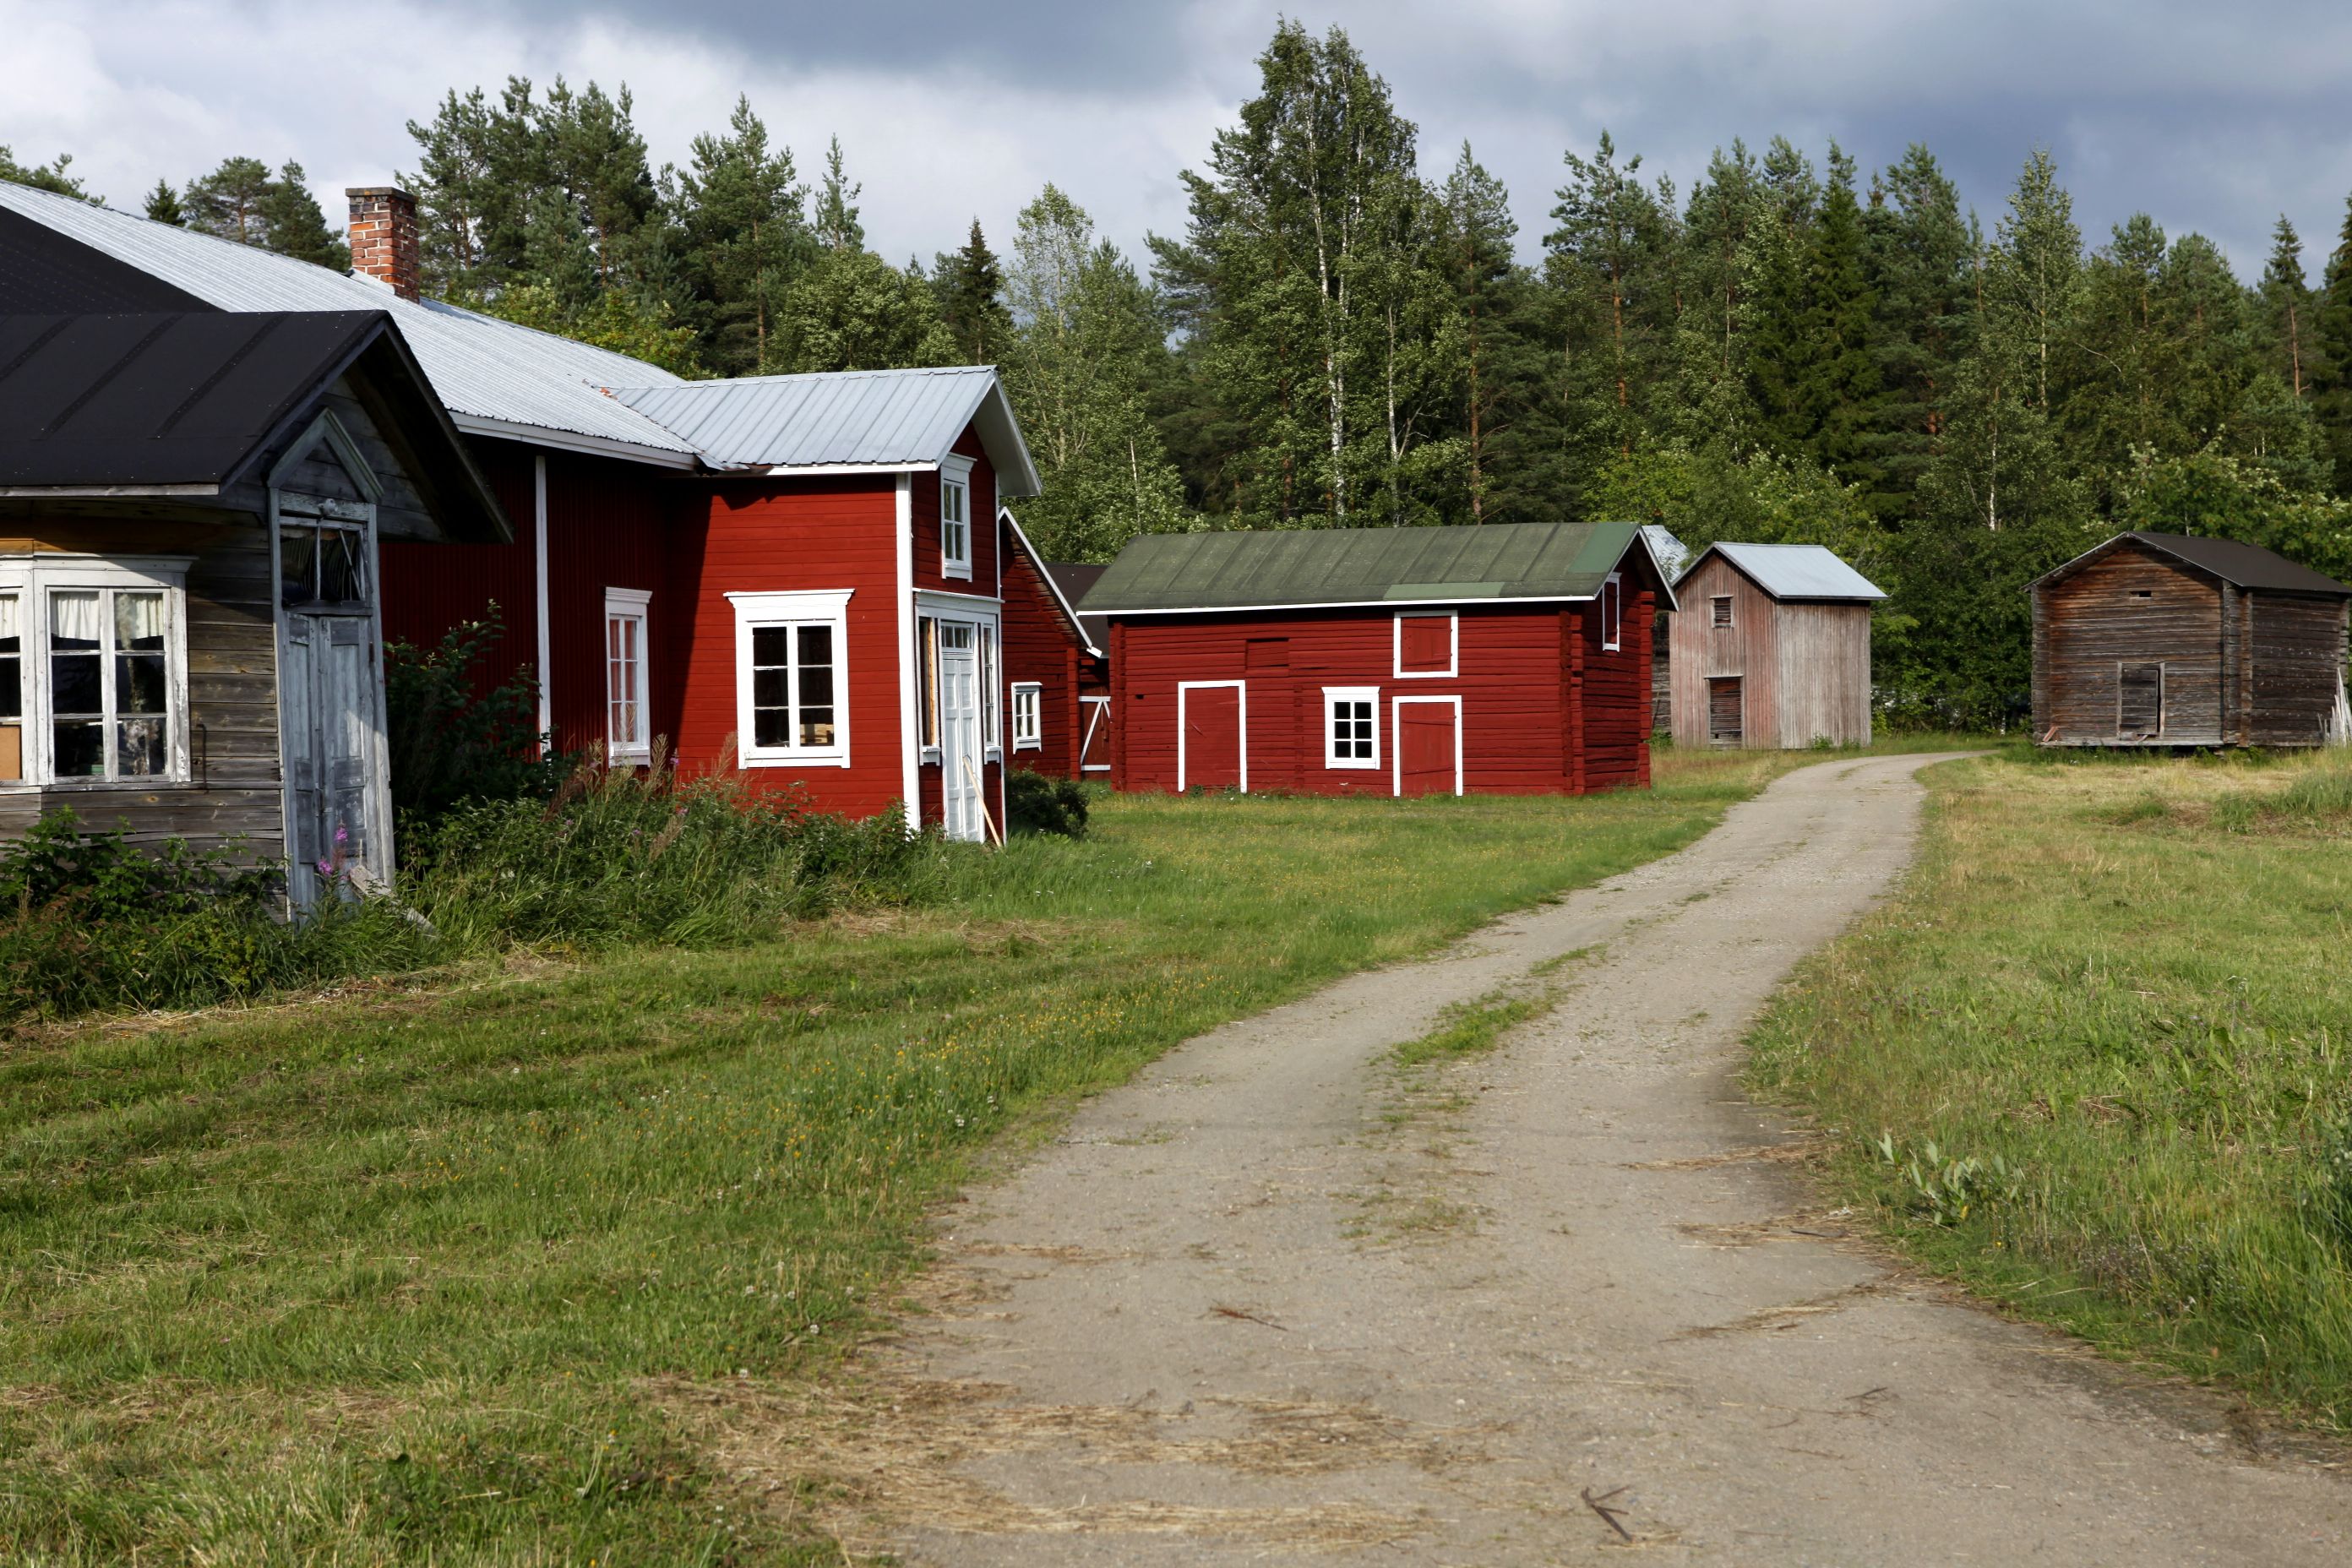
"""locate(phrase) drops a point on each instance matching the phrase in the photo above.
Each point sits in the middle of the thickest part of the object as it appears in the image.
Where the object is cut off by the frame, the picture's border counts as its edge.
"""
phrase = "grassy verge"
(2094, 1061)
(388, 1279)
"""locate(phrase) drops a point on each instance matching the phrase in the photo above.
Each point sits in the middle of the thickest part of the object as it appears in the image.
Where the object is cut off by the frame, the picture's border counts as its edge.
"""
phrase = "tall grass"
(2094, 1057)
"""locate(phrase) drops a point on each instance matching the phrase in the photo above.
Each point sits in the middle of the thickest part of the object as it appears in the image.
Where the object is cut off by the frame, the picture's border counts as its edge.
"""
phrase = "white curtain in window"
(77, 615)
(9, 626)
(137, 617)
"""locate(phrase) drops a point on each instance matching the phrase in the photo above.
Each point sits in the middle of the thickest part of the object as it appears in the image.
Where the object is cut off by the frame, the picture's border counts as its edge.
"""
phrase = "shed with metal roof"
(1771, 648)
(2169, 639)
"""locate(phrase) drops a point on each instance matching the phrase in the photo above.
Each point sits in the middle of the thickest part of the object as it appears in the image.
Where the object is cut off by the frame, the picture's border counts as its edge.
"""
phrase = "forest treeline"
(1344, 334)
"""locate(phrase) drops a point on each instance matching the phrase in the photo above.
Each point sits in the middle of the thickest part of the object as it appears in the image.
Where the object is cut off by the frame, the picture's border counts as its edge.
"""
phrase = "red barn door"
(1212, 751)
(1428, 732)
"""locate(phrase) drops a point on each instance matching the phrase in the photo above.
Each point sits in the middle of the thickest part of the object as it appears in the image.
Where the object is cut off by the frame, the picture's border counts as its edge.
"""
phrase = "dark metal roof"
(43, 273)
(183, 399)
(1279, 568)
(2240, 565)
(189, 402)
(1075, 579)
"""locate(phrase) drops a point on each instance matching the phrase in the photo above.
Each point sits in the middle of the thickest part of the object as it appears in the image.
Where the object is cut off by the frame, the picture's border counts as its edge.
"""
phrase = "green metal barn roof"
(1297, 568)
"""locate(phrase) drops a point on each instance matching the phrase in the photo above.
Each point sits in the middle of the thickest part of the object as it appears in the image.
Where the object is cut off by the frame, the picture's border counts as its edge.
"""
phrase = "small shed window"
(1351, 734)
(1719, 612)
(1028, 717)
(1612, 613)
(1426, 644)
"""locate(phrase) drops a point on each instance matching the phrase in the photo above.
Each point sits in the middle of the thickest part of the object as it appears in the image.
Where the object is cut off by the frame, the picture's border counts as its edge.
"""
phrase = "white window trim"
(1035, 739)
(1612, 613)
(813, 606)
(1185, 688)
(985, 617)
(1097, 710)
(1452, 648)
(32, 579)
(956, 471)
(1332, 697)
(634, 604)
(1396, 754)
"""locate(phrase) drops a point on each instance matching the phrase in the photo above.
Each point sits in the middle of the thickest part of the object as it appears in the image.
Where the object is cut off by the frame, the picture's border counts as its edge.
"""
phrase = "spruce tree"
(2286, 306)
(1922, 251)
(970, 286)
(2331, 403)
(163, 204)
(1839, 398)
(837, 229)
(293, 226)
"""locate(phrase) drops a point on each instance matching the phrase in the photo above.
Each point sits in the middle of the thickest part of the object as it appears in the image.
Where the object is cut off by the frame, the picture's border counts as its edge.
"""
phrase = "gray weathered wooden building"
(192, 506)
(2166, 639)
(1771, 648)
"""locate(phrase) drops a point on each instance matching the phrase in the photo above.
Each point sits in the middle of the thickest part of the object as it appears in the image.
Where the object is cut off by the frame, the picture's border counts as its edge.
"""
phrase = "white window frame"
(955, 480)
(754, 612)
(985, 617)
(1612, 613)
(632, 605)
(32, 579)
(1396, 754)
(1453, 648)
(1370, 696)
(1184, 689)
(1028, 716)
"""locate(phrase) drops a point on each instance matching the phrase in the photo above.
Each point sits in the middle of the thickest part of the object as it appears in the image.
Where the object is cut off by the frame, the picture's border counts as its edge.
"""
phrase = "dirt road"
(1268, 1303)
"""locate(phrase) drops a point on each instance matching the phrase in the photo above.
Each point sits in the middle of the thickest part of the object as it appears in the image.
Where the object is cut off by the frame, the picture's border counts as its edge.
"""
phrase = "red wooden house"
(1513, 658)
(1097, 739)
(795, 576)
(1059, 677)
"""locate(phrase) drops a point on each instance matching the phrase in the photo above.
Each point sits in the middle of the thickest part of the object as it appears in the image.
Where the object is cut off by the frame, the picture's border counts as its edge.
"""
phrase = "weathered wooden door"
(2139, 701)
(961, 757)
(1428, 747)
(1211, 752)
(1725, 711)
(331, 707)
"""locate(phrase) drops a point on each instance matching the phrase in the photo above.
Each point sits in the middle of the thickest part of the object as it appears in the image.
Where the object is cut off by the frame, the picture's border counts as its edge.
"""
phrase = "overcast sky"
(2213, 117)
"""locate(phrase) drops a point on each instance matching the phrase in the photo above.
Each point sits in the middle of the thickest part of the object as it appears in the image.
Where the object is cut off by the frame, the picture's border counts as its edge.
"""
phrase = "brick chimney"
(384, 237)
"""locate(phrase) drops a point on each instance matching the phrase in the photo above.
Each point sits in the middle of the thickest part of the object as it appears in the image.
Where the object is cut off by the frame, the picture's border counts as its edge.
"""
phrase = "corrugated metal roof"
(1795, 571)
(481, 368)
(1667, 550)
(1362, 565)
(2240, 565)
(872, 418)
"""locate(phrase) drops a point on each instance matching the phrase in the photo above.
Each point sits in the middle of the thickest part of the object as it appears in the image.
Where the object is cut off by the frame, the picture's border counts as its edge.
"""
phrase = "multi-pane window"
(109, 686)
(789, 693)
(1612, 613)
(12, 688)
(321, 563)
(1351, 727)
(955, 524)
(791, 687)
(628, 721)
(1028, 723)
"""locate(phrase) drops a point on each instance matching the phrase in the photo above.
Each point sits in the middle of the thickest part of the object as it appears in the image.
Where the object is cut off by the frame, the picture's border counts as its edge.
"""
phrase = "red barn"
(1513, 658)
(1059, 675)
(1097, 738)
(798, 577)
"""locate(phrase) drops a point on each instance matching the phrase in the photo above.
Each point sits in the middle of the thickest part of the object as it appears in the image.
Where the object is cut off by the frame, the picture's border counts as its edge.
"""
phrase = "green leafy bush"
(452, 739)
(1038, 804)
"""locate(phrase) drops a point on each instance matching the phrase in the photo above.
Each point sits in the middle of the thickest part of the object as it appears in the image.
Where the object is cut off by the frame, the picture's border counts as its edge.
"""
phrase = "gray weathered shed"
(1771, 648)
(2166, 639)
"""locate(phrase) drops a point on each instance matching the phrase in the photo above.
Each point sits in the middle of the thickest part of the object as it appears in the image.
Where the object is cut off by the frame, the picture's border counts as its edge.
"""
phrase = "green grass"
(400, 1276)
(2094, 1061)
(1473, 1028)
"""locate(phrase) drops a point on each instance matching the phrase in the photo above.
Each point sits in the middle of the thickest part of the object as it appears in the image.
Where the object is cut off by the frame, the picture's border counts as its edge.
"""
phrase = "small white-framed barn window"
(1028, 716)
(93, 673)
(791, 688)
(628, 704)
(1427, 645)
(1718, 612)
(1612, 613)
(955, 517)
(1351, 727)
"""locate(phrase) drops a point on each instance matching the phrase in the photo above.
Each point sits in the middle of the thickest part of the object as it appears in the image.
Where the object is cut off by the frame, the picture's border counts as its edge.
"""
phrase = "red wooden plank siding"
(608, 526)
(790, 536)
(924, 510)
(428, 588)
(1040, 645)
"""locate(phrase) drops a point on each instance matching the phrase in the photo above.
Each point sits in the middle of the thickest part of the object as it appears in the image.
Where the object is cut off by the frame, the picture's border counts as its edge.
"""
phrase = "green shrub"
(618, 855)
(1038, 804)
(451, 739)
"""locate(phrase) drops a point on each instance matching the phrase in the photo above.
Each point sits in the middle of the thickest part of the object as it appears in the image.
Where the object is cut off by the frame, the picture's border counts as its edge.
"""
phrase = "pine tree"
(1609, 257)
(853, 311)
(293, 224)
(743, 215)
(163, 204)
(838, 227)
(460, 196)
(970, 286)
(228, 202)
(2331, 403)
(51, 177)
(1482, 276)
